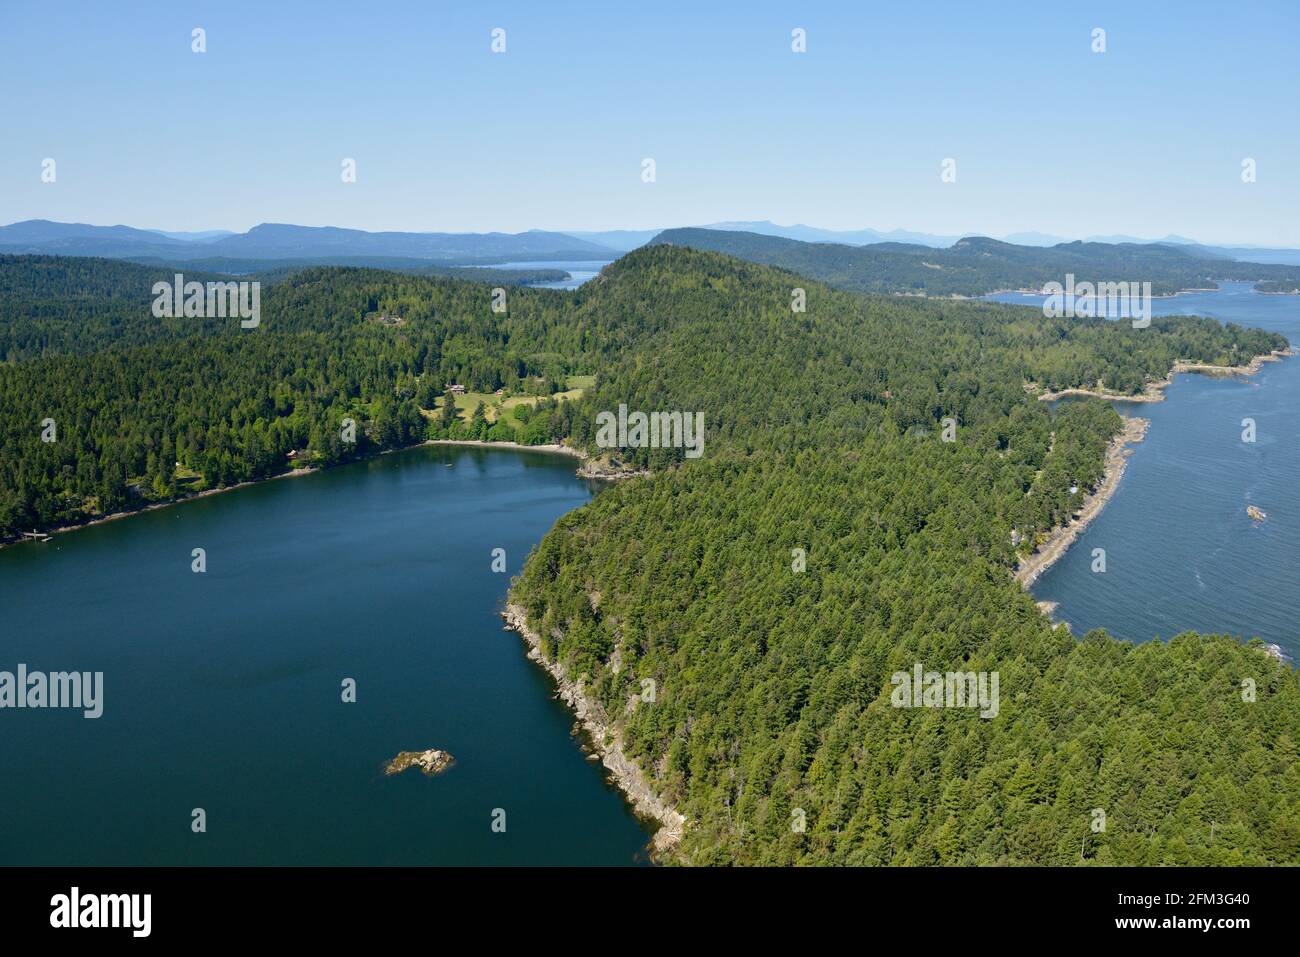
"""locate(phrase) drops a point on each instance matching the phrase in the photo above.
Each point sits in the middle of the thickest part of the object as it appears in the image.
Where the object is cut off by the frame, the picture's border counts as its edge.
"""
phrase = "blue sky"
(1145, 139)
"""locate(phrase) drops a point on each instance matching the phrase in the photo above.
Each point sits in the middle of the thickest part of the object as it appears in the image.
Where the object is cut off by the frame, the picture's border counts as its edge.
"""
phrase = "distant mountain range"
(321, 244)
(195, 237)
(286, 242)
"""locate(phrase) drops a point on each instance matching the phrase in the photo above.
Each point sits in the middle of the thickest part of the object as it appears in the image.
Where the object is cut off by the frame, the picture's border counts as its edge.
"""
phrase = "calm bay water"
(222, 690)
(579, 272)
(1181, 552)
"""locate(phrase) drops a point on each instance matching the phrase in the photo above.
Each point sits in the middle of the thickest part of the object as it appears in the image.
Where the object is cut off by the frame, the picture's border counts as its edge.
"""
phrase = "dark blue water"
(222, 690)
(579, 272)
(1181, 552)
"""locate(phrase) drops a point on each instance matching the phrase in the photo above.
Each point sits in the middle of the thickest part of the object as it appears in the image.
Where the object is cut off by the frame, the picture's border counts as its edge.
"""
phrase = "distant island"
(978, 266)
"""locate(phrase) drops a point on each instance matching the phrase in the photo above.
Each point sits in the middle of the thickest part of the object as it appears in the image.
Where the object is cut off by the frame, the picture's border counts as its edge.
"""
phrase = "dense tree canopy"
(136, 400)
(773, 685)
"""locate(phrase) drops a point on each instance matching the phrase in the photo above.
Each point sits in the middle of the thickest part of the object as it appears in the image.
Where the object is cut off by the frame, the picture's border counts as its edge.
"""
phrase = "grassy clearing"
(496, 406)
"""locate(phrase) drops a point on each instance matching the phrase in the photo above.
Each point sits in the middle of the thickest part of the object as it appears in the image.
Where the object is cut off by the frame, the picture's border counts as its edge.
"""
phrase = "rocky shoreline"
(1135, 429)
(1255, 364)
(1155, 391)
(1062, 537)
(605, 737)
(165, 503)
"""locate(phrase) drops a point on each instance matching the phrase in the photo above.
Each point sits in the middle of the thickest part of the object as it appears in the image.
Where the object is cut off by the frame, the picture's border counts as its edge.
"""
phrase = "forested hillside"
(824, 433)
(148, 408)
(773, 684)
(145, 409)
(977, 266)
(58, 304)
(773, 687)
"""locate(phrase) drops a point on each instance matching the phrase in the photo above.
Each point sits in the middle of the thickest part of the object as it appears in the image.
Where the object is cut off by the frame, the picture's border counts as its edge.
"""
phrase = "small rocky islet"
(431, 762)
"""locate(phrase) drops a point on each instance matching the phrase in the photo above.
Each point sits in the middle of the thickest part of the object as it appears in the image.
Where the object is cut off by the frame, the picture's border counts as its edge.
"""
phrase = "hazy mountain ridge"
(334, 244)
(286, 241)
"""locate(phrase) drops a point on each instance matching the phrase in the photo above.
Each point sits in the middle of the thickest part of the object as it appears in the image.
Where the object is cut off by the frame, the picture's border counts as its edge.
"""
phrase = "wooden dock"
(35, 537)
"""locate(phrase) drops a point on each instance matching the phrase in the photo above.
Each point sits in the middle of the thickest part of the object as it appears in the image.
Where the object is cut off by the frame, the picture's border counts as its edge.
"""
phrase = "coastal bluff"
(605, 738)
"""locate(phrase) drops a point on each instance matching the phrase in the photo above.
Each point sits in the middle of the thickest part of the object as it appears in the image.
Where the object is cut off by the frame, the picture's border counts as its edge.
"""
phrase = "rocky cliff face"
(605, 738)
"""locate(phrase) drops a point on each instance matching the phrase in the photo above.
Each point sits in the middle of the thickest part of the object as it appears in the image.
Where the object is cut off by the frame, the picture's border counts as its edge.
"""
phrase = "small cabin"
(457, 389)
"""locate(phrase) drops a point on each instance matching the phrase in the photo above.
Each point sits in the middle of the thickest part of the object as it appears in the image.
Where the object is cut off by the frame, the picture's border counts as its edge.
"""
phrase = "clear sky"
(1145, 139)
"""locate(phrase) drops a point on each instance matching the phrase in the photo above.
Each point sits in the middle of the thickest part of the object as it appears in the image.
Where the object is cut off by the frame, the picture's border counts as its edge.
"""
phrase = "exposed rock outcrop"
(431, 762)
(605, 738)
